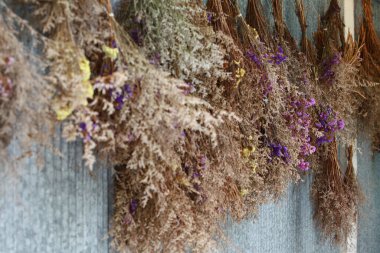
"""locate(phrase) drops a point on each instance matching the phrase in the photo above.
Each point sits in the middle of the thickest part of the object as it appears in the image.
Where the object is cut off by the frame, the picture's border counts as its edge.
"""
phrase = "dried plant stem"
(256, 19)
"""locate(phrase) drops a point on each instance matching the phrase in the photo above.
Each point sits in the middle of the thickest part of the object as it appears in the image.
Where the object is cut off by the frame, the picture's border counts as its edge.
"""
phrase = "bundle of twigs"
(306, 46)
(336, 199)
(280, 25)
(256, 19)
(329, 38)
(371, 48)
(351, 184)
(218, 17)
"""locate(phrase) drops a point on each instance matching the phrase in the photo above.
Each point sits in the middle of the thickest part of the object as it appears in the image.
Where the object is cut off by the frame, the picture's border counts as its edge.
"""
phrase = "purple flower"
(136, 36)
(303, 165)
(83, 126)
(203, 162)
(209, 17)
(254, 58)
(189, 89)
(310, 103)
(155, 59)
(279, 57)
(340, 124)
(127, 89)
(328, 74)
(120, 102)
(279, 151)
(133, 206)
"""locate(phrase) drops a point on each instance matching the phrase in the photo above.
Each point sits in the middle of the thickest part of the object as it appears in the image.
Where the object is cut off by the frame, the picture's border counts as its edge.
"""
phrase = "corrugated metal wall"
(57, 208)
(62, 208)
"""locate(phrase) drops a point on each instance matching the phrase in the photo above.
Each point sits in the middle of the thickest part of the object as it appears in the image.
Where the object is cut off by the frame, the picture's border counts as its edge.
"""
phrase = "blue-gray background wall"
(61, 207)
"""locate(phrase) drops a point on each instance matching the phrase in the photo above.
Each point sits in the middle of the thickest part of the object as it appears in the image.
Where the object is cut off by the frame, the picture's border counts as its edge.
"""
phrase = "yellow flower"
(111, 53)
(84, 66)
(64, 112)
(240, 72)
(86, 91)
(246, 152)
(253, 166)
(244, 192)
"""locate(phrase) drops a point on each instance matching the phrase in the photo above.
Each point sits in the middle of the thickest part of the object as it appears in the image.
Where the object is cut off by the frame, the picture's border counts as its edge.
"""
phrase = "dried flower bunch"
(201, 112)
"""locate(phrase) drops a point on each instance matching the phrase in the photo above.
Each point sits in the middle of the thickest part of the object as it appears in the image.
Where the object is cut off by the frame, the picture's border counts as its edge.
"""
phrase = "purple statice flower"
(120, 97)
(324, 139)
(83, 126)
(328, 124)
(307, 149)
(113, 44)
(189, 89)
(133, 206)
(85, 132)
(136, 36)
(340, 124)
(155, 59)
(303, 165)
(328, 65)
(128, 90)
(209, 17)
(203, 162)
(279, 151)
(299, 122)
(254, 58)
(266, 85)
(310, 103)
(278, 57)
(119, 102)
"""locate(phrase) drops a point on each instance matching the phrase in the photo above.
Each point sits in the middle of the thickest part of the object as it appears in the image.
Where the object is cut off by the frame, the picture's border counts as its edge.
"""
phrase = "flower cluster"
(299, 120)
(274, 58)
(119, 97)
(281, 151)
(328, 123)
(328, 65)
(278, 57)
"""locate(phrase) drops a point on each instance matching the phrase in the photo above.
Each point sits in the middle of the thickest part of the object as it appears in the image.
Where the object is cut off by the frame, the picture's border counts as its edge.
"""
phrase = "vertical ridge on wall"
(57, 208)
